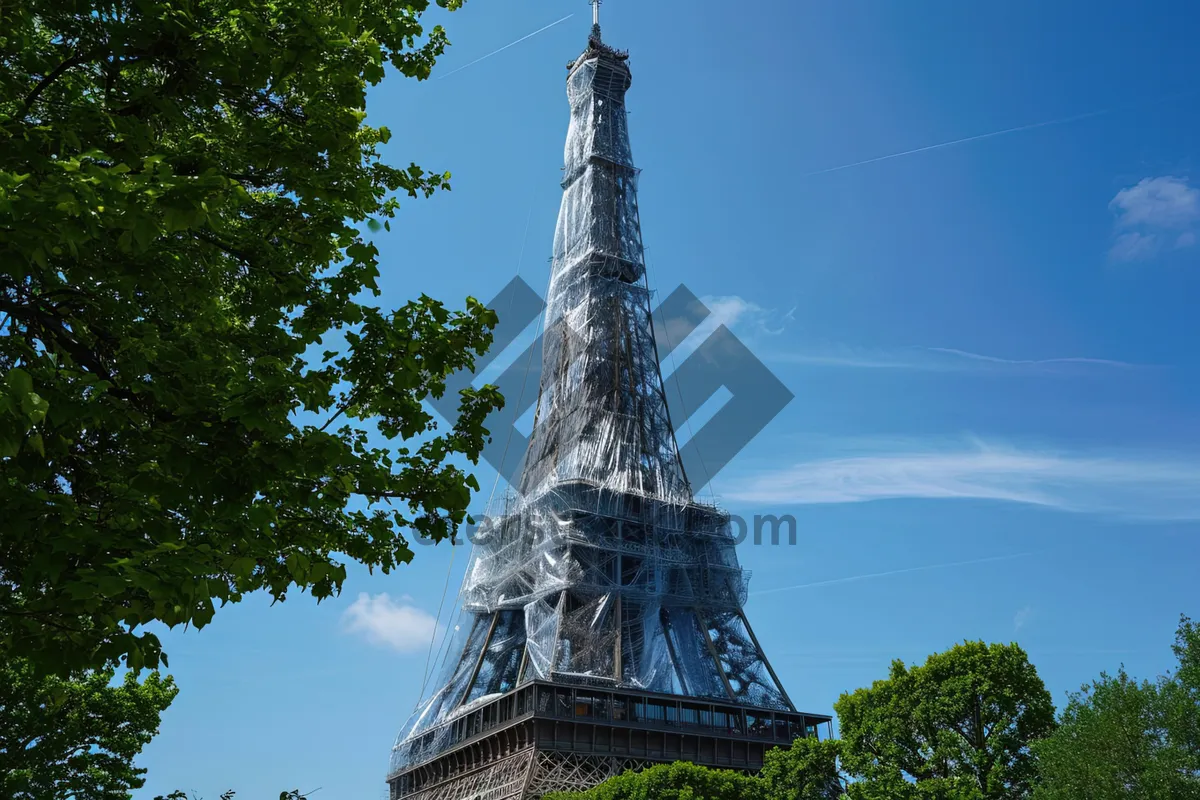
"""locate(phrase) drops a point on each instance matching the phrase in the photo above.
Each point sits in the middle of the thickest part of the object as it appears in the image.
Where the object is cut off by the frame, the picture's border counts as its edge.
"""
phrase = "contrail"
(510, 44)
(1062, 121)
(854, 578)
(976, 138)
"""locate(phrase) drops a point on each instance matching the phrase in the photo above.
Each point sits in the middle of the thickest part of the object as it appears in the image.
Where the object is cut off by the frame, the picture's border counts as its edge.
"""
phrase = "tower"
(603, 625)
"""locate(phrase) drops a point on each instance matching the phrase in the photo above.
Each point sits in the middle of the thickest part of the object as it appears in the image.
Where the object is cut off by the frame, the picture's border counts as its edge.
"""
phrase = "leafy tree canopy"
(1186, 725)
(188, 351)
(1121, 739)
(956, 728)
(809, 770)
(806, 771)
(678, 781)
(75, 738)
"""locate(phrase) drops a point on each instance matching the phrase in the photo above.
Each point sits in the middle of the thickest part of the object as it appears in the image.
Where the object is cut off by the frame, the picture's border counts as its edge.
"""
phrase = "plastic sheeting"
(602, 569)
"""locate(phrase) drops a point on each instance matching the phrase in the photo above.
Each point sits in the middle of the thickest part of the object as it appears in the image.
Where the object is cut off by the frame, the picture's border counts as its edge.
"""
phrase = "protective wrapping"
(600, 568)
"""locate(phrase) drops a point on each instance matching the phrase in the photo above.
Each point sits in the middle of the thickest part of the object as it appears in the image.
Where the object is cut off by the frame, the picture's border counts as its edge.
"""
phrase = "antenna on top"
(595, 14)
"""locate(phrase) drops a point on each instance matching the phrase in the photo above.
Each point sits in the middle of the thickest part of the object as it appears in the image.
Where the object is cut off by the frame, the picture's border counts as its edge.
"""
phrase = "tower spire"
(596, 18)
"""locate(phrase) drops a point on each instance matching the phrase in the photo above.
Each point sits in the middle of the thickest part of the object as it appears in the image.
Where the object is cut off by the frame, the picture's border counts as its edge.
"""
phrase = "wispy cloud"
(749, 321)
(939, 359)
(1032, 362)
(761, 326)
(1135, 246)
(1165, 202)
(744, 316)
(1021, 618)
(889, 573)
(394, 624)
(510, 44)
(1127, 486)
(1154, 215)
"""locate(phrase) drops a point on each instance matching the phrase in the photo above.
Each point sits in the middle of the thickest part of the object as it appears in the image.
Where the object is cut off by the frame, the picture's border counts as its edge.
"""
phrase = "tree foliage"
(808, 770)
(188, 351)
(678, 781)
(1121, 739)
(1185, 723)
(956, 728)
(75, 737)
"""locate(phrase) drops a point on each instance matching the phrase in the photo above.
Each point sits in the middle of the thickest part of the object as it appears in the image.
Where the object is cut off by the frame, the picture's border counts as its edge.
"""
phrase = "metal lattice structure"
(602, 577)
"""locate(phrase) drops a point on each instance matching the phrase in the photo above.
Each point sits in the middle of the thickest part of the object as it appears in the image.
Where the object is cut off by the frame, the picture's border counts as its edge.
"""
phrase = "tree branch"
(51, 77)
(43, 618)
(225, 247)
(331, 420)
(55, 336)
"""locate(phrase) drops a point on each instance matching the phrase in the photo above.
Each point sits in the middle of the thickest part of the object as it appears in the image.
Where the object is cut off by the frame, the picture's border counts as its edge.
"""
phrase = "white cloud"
(1165, 202)
(1122, 486)
(1021, 618)
(748, 320)
(1135, 246)
(739, 314)
(1147, 210)
(728, 310)
(394, 624)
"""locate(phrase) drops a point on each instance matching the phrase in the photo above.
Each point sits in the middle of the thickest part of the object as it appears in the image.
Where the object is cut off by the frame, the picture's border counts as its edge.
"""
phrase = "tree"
(1185, 721)
(1187, 652)
(75, 738)
(190, 365)
(807, 771)
(1121, 739)
(956, 728)
(678, 781)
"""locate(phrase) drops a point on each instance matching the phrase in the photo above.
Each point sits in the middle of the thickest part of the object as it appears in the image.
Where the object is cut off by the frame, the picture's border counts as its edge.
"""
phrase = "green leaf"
(34, 407)
(19, 381)
(9, 444)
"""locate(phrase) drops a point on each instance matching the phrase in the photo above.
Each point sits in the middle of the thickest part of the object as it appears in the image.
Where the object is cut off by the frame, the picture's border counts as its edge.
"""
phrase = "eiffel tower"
(603, 627)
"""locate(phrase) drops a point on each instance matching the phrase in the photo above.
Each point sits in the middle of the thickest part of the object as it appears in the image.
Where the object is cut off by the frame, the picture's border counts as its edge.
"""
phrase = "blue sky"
(991, 344)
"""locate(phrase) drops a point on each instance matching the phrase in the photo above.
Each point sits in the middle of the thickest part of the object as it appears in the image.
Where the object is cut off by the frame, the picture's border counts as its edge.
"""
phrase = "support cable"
(450, 567)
